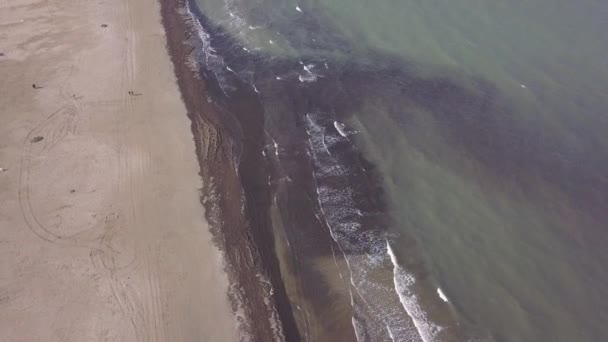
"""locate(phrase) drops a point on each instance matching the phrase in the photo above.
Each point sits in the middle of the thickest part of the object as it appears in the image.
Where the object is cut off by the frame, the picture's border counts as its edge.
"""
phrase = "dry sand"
(102, 236)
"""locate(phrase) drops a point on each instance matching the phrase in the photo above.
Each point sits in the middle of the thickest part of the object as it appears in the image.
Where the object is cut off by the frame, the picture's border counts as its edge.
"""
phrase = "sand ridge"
(102, 236)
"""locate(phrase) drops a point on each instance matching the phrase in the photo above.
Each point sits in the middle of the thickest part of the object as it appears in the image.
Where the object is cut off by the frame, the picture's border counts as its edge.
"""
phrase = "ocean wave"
(403, 283)
(308, 75)
(340, 127)
(442, 295)
(363, 247)
(307, 78)
(357, 230)
(205, 52)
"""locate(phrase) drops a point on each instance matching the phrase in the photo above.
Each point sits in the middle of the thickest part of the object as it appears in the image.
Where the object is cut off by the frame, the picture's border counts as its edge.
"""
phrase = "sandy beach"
(103, 237)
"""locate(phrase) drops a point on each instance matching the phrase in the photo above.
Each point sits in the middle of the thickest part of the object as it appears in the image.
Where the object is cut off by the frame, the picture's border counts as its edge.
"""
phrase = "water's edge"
(238, 220)
(295, 177)
(321, 244)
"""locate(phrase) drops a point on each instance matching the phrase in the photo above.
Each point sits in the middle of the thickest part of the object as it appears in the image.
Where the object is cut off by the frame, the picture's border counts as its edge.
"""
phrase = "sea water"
(478, 130)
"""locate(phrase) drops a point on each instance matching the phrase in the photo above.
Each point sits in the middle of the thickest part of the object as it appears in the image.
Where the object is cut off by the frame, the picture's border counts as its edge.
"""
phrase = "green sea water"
(522, 258)
(508, 205)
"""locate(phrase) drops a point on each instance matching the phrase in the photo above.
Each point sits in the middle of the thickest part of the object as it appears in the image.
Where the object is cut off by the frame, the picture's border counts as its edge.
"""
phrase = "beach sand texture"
(102, 234)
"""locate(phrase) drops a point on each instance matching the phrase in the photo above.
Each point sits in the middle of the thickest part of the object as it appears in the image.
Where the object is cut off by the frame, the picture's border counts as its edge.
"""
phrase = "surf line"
(403, 281)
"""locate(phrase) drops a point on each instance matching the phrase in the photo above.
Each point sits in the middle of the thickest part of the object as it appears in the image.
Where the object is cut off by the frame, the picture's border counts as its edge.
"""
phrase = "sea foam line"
(332, 230)
(403, 281)
(442, 295)
(331, 234)
(213, 62)
(340, 128)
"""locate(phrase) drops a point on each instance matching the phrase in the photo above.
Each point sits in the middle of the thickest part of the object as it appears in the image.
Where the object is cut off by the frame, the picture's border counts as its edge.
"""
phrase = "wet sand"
(236, 196)
(103, 234)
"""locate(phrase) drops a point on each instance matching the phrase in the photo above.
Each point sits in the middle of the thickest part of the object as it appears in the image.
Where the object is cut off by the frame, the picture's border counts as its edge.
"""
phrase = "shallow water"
(484, 125)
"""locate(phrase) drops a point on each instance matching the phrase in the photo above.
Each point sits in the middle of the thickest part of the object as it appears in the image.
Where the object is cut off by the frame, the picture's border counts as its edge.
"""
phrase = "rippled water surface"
(439, 168)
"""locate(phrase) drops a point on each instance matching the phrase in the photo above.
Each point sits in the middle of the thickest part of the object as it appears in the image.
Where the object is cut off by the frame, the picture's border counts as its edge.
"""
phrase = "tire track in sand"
(139, 302)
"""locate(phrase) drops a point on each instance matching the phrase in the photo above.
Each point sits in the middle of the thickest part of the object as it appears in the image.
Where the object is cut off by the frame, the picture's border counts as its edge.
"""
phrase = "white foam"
(298, 9)
(340, 128)
(358, 329)
(275, 322)
(442, 295)
(244, 323)
(325, 147)
(307, 78)
(271, 42)
(213, 61)
(403, 281)
(233, 11)
(376, 316)
(334, 237)
(390, 333)
(230, 69)
(255, 89)
(203, 36)
(523, 86)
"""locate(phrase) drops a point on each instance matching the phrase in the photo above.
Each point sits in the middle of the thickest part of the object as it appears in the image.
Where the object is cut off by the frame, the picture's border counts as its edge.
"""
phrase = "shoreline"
(257, 293)
(253, 207)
